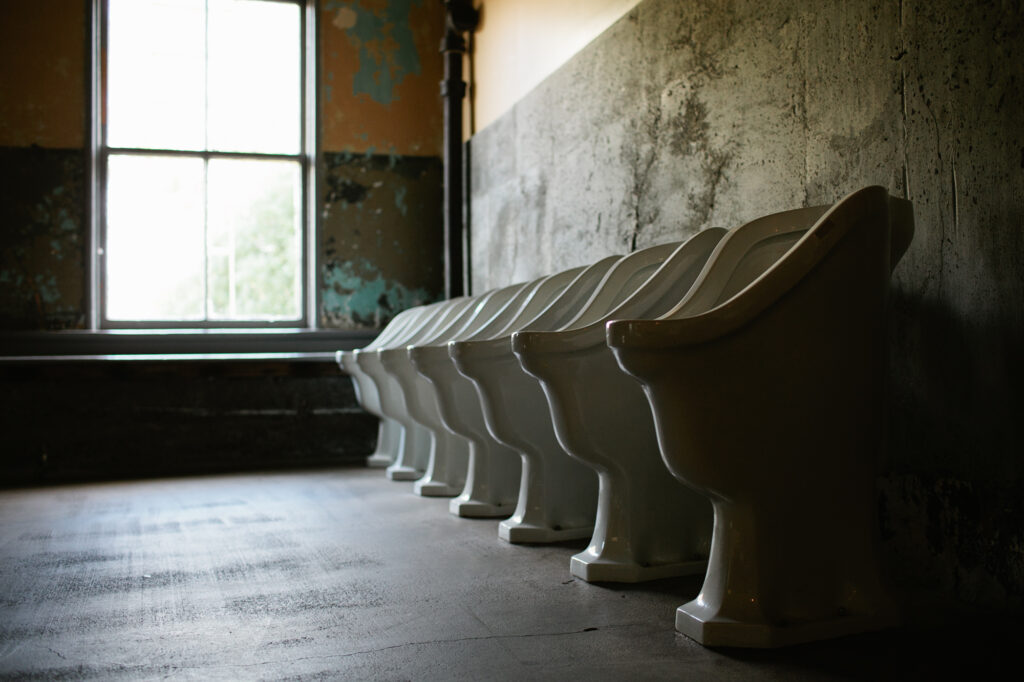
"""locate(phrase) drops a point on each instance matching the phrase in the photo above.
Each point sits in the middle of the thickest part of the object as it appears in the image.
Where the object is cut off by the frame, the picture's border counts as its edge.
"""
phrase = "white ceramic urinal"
(648, 524)
(447, 453)
(492, 483)
(389, 431)
(767, 398)
(558, 495)
(414, 446)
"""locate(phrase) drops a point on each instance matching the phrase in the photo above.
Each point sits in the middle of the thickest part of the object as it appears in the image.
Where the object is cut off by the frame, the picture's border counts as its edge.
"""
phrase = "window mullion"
(206, 161)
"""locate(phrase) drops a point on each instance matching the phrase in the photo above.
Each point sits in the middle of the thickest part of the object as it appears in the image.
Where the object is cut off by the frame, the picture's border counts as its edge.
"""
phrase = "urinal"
(448, 452)
(413, 453)
(389, 431)
(649, 525)
(493, 478)
(558, 494)
(448, 462)
(767, 399)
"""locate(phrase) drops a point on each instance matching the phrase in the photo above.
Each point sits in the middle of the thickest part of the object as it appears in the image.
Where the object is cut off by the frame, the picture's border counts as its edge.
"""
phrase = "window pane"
(254, 239)
(155, 74)
(255, 76)
(154, 242)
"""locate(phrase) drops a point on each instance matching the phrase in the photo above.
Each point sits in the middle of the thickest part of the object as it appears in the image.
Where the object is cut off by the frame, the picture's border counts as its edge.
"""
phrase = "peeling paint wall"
(381, 227)
(380, 253)
(713, 112)
(380, 74)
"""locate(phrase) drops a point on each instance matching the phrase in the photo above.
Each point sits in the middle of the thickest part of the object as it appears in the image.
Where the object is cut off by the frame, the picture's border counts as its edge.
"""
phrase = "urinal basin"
(402, 326)
(405, 325)
(448, 460)
(767, 399)
(649, 525)
(490, 483)
(412, 457)
(558, 495)
(389, 431)
(471, 314)
(493, 473)
(429, 452)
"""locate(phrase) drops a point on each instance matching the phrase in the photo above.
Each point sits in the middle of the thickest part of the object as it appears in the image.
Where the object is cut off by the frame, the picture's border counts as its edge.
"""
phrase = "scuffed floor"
(341, 574)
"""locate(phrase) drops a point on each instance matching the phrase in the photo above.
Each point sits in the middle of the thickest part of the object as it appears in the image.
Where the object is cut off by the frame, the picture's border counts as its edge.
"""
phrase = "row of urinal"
(728, 412)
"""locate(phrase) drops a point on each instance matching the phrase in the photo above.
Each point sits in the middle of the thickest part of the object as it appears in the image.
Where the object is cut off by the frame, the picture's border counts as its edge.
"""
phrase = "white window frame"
(307, 158)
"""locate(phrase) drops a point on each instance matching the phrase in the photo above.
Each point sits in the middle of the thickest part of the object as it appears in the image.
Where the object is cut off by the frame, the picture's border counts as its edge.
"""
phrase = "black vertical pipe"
(460, 17)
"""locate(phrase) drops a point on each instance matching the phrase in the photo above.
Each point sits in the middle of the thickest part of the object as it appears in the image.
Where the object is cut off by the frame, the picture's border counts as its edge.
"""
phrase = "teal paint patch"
(355, 294)
(386, 48)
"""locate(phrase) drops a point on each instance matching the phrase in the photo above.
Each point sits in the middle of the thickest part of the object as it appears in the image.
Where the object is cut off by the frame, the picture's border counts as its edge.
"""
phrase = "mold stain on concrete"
(382, 35)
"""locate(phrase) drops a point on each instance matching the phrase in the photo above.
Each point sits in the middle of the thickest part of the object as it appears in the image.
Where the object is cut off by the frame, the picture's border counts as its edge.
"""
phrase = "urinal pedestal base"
(436, 489)
(517, 533)
(597, 570)
(378, 461)
(473, 509)
(403, 473)
(725, 632)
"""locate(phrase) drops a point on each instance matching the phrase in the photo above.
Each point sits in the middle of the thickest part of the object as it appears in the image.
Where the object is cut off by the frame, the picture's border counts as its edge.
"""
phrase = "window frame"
(306, 157)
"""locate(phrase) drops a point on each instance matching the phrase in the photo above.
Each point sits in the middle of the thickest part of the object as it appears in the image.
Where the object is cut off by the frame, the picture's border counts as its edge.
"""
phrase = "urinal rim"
(500, 344)
(571, 339)
(489, 346)
(527, 291)
(646, 256)
(507, 316)
(763, 291)
(444, 320)
(469, 315)
(602, 266)
(415, 322)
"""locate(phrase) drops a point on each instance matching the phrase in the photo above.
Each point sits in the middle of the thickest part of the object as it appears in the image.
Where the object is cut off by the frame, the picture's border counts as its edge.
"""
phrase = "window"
(203, 163)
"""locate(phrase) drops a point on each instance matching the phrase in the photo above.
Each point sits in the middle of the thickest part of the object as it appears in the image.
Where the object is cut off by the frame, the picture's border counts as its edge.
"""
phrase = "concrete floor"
(341, 574)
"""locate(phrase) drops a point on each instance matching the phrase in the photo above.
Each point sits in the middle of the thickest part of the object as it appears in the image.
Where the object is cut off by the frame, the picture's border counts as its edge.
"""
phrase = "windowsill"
(182, 344)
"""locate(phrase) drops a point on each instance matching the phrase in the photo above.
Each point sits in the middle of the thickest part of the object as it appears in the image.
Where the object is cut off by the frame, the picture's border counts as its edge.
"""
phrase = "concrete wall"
(689, 114)
(380, 246)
